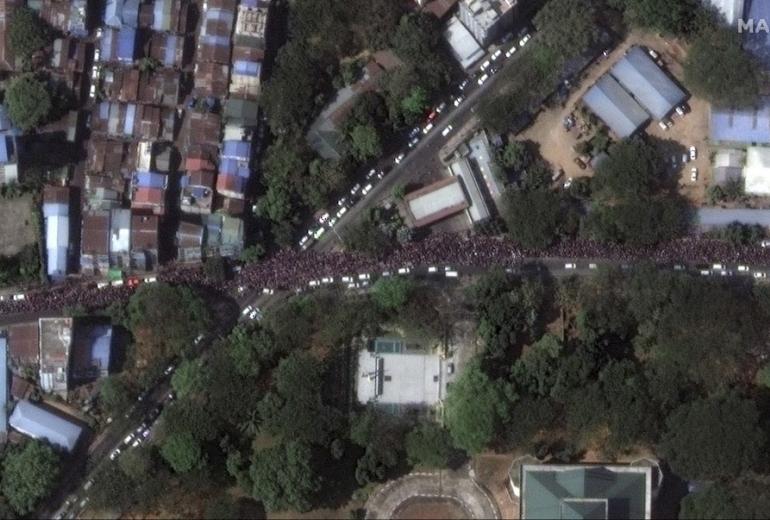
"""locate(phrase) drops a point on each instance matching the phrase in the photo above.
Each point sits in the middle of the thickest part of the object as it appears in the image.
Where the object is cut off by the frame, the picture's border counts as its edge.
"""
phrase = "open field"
(429, 508)
(17, 224)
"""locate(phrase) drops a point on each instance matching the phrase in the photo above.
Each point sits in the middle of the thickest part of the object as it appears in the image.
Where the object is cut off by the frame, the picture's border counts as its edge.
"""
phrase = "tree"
(215, 269)
(719, 70)
(115, 394)
(475, 408)
(380, 19)
(713, 438)
(365, 142)
(177, 311)
(632, 169)
(382, 436)
(515, 156)
(252, 350)
(284, 477)
(293, 409)
(567, 26)
(535, 371)
(414, 104)
(182, 452)
(367, 237)
(189, 378)
(392, 293)
(675, 17)
(27, 33)
(429, 445)
(714, 502)
(137, 463)
(532, 217)
(28, 101)
(29, 474)
(638, 221)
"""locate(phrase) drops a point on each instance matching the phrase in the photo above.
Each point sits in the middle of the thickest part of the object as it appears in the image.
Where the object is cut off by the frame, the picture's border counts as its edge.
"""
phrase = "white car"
(247, 310)
(760, 274)
(399, 158)
(694, 174)
(268, 291)
(322, 220)
(169, 368)
(364, 276)
(371, 175)
(440, 108)
(693, 153)
(445, 131)
(94, 72)
(654, 55)
(678, 267)
(128, 439)
(743, 269)
(303, 241)
(354, 190)
(347, 279)
(570, 266)
(115, 453)
(511, 52)
(427, 128)
(404, 270)
(451, 274)
(327, 280)
(705, 272)
(464, 84)
(331, 222)
(568, 183)
(717, 267)
(485, 65)
(366, 189)
(413, 142)
(496, 54)
(680, 111)
(662, 126)
(313, 283)
(319, 232)
(341, 212)
(765, 243)
(483, 79)
(101, 285)
(19, 297)
(97, 54)
(386, 274)
(456, 102)
(92, 91)
(433, 269)
(592, 266)
(150, 279)
(524, 40)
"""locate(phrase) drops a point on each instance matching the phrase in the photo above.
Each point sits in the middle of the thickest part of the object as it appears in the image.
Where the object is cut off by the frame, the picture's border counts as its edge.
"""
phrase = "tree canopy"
(29, 101)
(567, 26)
(283, 477)
(29, 475)
(429, 445)
(182, 451)
(27, 33)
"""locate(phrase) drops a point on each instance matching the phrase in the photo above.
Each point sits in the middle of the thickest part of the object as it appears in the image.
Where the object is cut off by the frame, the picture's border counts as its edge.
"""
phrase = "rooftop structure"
(189, 242)
(56, 207)
(437, 201)
(132, 121)
(757, 171)
(487, 20)
(241, 112)
(91, 350)
(478, 210)
(144, 241)
(120, 237)
(24, 343)
(710, 218)
(95, 243)
(67, 17)
(118, 45)
(38, 423)
(168, 49)
(215, 32)
(650, 86)
(212, 79)
(613, 105)
(396, 375)
(745, 126)
(464, 46)
(571, 491)
(728, 165)
(9, 161)
(483, 164)
(55, 343)
(171, 16)
(197, 191)
(224, 235)
(148, 191)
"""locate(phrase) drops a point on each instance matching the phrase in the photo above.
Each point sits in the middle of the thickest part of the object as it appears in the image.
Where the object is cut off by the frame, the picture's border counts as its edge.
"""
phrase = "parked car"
(463, 84)
(399, 158)
(510, 52)
(458, 100)
(580, 163)
(693, 153)
(445, 131)
(366, 189)
(485, 65)
(427, 128)
(355, 189)
(496, 54)
(694, 174)
(570, 266)
(483, 79)
(524, 40)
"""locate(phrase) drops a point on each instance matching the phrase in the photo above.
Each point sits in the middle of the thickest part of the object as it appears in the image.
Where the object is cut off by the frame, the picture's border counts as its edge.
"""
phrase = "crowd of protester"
(289, 269)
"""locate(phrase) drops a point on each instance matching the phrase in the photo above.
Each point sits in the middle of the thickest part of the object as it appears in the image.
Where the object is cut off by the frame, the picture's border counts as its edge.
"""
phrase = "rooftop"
(613, 105)
(55, 342)
(38, 423)
(744, 126)
(24, 343)
(436, 201)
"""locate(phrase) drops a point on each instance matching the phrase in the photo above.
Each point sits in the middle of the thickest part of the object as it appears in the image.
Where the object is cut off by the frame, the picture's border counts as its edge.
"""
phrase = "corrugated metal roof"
(126, 44)
(150, 179)
(131, 13)
(237, 149)
(128, 124)
(615, 107)
(105, 45)
(113, 13)
(742, 126)
(39, 423)
(3, 150)
(247, 68)
(3, 384)
(651, 87)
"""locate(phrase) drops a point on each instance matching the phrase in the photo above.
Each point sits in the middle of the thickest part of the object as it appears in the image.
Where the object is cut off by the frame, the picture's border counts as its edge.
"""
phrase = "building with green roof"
(585, 491)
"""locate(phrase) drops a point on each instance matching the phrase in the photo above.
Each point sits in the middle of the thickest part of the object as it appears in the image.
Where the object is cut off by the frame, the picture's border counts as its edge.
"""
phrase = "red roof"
(198, 164)
(148, 196)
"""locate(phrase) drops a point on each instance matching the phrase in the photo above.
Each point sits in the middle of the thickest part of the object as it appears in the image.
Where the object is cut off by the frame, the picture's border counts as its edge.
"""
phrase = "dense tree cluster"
(29, 475)
(29, 101)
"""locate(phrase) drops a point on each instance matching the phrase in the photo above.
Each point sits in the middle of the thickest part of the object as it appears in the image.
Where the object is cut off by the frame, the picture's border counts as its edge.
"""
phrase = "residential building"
(646, 81)
(399, 376)
(95, 243)
(615, 107)
(487, 20)
(756, 42)
(24, 344)
(216, 30)
(203, 135)
(197, 193)
(55, 344)
(756, 172)
(69, 16)
(91, 351)
(120, 237)
(144, 241)
(148, 191)
(224, 235)
(131, 121)
(241, 112)
(743, 126)
(465, 49)
(118, 45)
(171, 16)
(617, 491)
(39, 423)
(436, 202)
(477, 210)
(56, 208)
(189, 242)
(169, 49)
(234, 169)
(211, 79)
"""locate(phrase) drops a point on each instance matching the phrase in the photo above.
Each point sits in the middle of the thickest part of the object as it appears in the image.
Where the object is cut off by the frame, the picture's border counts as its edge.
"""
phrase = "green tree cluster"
(29, 101)
(29, 475)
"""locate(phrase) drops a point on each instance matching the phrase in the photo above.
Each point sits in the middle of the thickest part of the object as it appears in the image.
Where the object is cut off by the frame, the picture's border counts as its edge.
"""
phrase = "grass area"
(18, 224)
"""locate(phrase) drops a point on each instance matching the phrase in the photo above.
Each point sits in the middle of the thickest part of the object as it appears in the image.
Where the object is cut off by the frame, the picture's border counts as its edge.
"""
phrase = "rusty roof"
(144, 231)
(96, 233)
(24, 342)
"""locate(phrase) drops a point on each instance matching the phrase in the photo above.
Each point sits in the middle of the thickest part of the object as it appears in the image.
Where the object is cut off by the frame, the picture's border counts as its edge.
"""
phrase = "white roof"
(757, 171)
(478, 209)
(39, 423)
(464, 46)
(57, 237)
(732, 10)
(434, 202)
(398, 378)
(120, 230)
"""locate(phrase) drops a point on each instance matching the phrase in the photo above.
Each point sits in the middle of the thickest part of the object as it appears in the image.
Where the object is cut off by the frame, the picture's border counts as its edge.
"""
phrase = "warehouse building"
(615, 107)
(436, 202)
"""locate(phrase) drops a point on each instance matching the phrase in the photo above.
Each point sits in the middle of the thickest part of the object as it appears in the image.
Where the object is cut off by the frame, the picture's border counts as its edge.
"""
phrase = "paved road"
(450, 485)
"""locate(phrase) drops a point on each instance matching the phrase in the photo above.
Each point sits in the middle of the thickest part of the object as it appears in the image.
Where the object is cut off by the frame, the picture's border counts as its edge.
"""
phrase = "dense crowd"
(290, 269)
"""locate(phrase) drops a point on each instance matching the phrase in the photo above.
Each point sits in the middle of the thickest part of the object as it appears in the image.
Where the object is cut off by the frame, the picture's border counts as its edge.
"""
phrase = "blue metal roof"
(231, 166)
(615, 107)
(128, 124)
(131, 13)
(39, 423)
(247, 68)
(4, 384)
(218, 14)
(758, 42)
(169, 56)
(113, 13)
(3, 150)
(105, 45)
(126, 44)
(237, 149)
(150, 179)
(212, 39)
(651, 87)
(742, 126)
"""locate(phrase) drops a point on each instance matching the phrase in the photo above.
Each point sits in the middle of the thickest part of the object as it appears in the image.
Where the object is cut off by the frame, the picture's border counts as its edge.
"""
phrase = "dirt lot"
(556, 144)
(492, 472)
(17, 224)
(429, 508)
